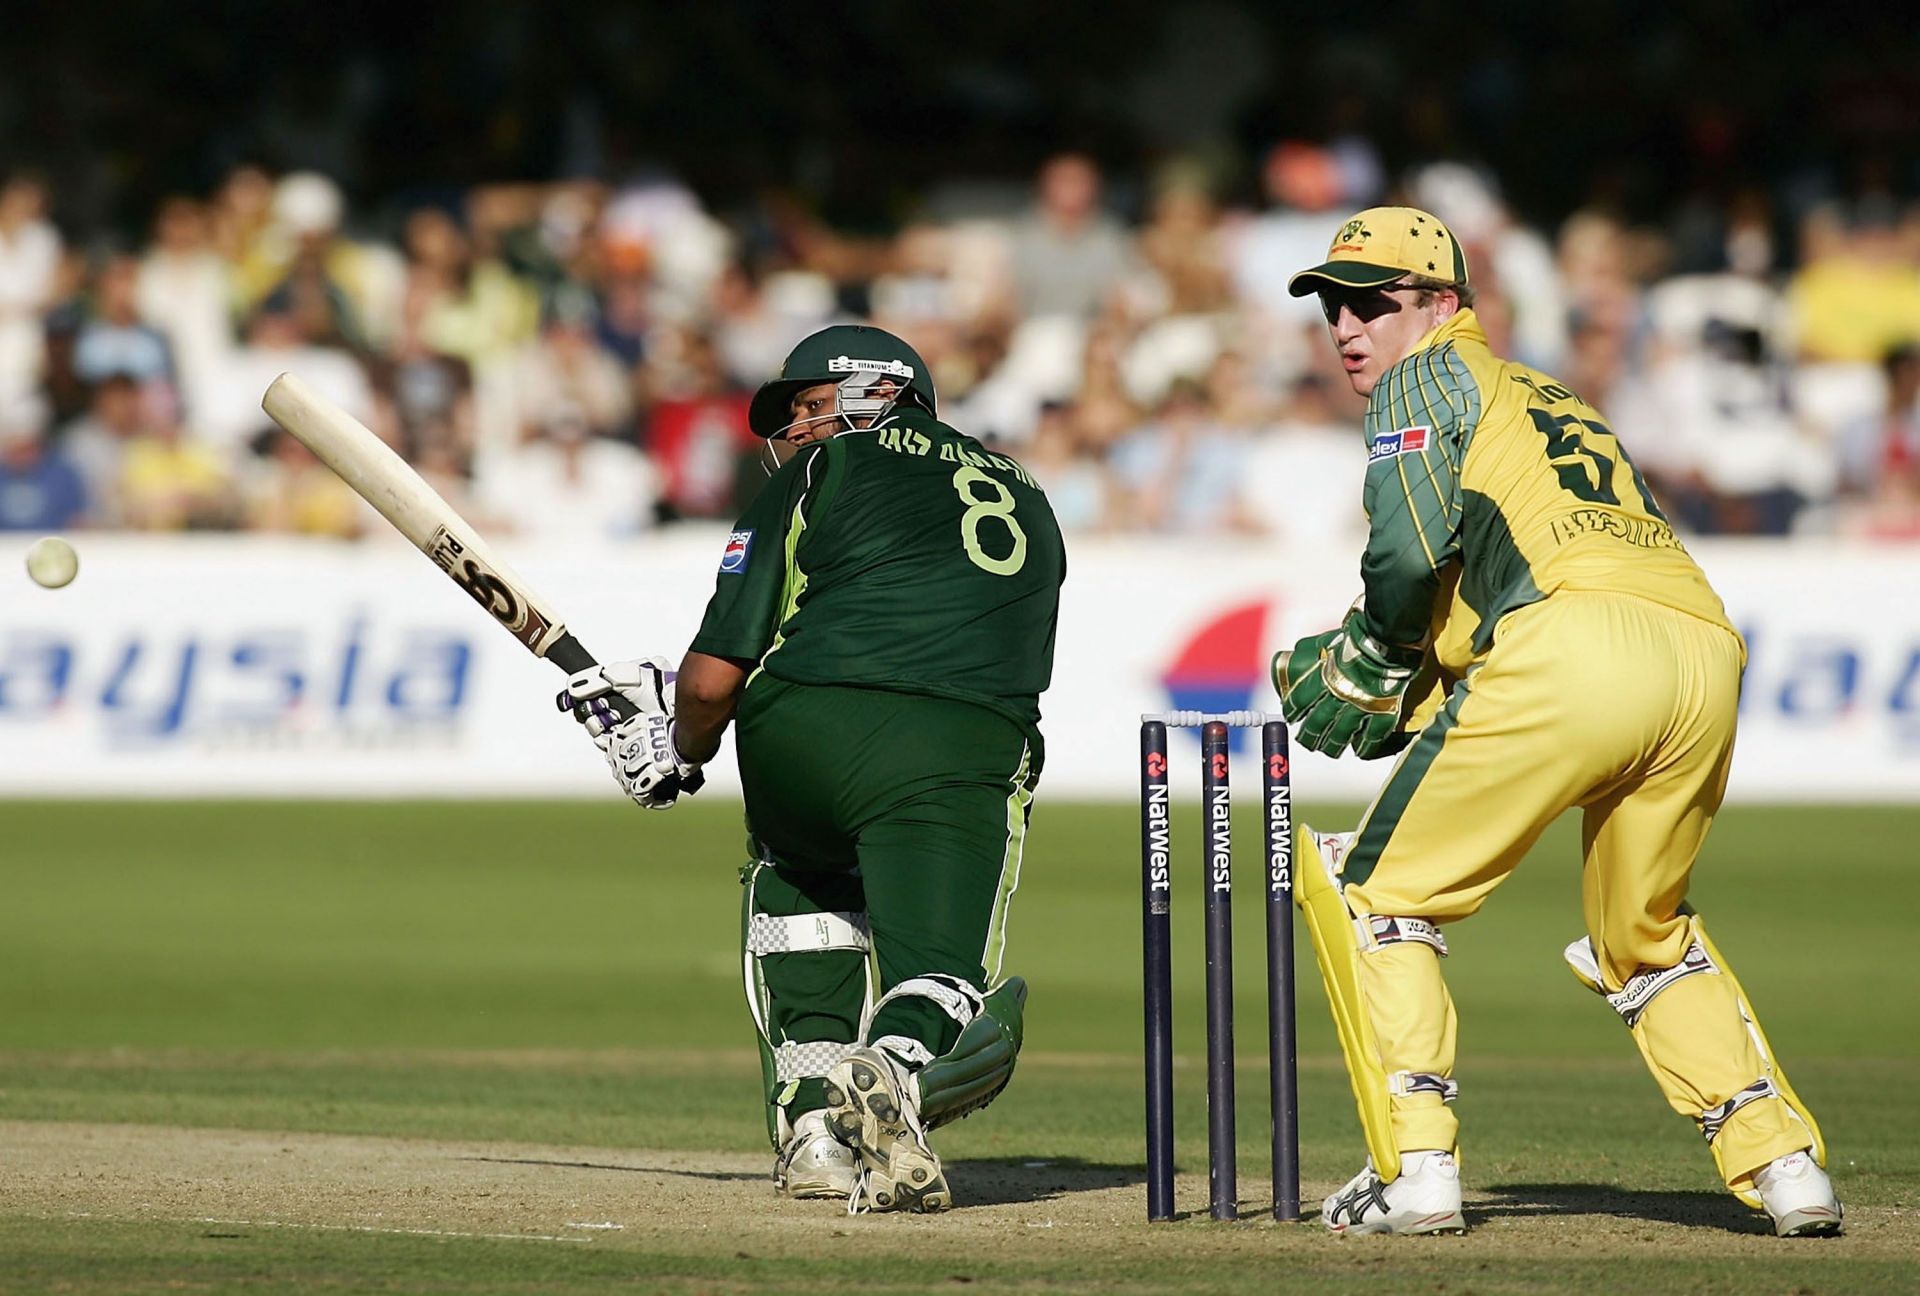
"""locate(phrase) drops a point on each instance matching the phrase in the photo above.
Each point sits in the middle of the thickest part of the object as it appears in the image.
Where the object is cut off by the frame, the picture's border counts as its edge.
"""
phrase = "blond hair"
(1428, 287)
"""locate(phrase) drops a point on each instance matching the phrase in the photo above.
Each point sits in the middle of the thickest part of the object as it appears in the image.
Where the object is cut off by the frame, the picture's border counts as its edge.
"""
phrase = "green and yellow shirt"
(1491, 486)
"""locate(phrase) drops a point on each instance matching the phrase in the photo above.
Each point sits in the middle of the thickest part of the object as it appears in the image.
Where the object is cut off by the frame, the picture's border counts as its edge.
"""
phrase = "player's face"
(811, 416)
(815, 417)
(812, 412)
(1375, 328)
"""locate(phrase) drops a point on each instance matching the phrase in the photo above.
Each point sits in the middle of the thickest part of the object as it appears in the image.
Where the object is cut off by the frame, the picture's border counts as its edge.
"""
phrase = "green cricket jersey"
(904, 557)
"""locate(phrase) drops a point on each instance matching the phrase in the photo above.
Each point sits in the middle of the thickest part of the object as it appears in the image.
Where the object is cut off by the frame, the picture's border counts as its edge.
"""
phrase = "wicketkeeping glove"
(645, 682)
(646, 763)
(1342, 688)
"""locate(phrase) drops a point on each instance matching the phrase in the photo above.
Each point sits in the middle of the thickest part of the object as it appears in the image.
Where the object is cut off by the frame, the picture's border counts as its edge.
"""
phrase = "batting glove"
(646, 763)
(646, 683)
(1342, 689)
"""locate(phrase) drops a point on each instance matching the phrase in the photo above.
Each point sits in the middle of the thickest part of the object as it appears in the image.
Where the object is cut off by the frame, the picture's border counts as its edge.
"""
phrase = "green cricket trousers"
(887, 831)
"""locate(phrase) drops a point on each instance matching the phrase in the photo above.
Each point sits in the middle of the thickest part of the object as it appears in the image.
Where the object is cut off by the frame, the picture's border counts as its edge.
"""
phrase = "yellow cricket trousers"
(1626, 709)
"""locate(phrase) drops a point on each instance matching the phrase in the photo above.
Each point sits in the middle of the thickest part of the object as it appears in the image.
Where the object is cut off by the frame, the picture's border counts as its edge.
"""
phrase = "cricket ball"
(52, 562)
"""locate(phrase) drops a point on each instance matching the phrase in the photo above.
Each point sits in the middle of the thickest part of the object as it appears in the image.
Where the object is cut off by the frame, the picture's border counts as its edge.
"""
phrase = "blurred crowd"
(574, 359)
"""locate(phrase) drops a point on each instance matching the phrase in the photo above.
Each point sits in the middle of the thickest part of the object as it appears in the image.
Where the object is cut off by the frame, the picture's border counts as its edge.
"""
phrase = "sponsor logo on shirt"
(1406, 441)
(734, 557)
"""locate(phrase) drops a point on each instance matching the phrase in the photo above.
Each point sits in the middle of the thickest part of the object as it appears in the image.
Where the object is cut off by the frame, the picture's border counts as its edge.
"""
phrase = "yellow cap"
(1381, 244)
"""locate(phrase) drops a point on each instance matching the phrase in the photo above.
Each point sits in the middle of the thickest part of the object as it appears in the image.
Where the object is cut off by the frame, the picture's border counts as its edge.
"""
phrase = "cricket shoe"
(1424, 1199)
(874, 1108)
(813, 1163)
(1799, 1197)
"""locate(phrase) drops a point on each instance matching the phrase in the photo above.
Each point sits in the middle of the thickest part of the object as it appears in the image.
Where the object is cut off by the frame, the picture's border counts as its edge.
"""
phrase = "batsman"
(881, 629)
(1532, 637)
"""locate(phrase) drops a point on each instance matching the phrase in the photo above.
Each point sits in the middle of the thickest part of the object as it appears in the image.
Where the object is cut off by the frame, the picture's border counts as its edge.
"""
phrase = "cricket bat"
(384, 480)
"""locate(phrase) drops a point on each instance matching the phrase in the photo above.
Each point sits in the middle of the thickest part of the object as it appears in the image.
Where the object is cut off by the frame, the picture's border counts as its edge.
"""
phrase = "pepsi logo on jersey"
(734, 557)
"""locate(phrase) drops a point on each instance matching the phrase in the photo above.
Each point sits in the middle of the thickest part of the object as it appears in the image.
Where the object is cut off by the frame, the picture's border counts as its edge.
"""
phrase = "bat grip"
(568, 654)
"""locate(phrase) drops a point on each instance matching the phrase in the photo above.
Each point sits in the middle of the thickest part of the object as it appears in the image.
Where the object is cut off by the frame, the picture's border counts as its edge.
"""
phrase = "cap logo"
(897, 368)
(1351, 238)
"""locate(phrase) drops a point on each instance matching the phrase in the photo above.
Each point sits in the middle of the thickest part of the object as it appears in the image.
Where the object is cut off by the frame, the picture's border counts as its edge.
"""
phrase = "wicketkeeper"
(880, 631)
(1532, 637)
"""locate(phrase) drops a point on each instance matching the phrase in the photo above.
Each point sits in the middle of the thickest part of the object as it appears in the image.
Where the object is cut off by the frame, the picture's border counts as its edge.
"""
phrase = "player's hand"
(646, 763)
(1342, 689)
(645, 682)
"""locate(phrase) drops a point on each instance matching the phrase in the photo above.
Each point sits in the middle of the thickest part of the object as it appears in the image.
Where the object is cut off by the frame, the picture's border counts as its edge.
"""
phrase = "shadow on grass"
(1007, 1181)
(1690, 1207)
(718, 1176)
(980, 1181)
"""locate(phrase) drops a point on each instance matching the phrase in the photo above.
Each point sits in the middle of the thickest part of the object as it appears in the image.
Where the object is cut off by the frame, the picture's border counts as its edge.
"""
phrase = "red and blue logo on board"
(1223, 665)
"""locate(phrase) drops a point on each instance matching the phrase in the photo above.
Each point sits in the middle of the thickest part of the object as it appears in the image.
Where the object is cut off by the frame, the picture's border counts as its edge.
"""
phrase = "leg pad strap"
(806, 933)
(1713, 1118)
(1404, 1083)
(1382, 930)
(804, 1060)
(1633, 998)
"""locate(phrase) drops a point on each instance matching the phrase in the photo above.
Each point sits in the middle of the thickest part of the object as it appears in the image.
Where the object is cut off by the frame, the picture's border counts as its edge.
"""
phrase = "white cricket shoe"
(874, 1108)
(1799, 1196)
(814, 1163)
(1424, 1199)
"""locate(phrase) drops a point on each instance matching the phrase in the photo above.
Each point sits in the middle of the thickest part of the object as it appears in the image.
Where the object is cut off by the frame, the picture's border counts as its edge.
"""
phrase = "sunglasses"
(1365, 303)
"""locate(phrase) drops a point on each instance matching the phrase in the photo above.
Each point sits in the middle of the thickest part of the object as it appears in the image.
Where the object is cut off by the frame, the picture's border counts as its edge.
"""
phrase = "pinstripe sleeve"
(1418, 422)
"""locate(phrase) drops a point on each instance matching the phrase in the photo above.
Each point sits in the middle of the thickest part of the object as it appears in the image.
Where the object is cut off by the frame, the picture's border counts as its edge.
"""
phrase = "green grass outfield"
(358, 988)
